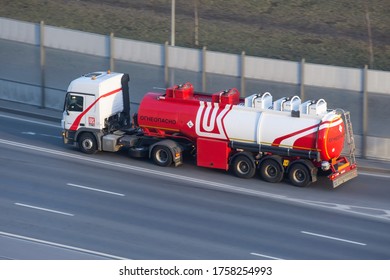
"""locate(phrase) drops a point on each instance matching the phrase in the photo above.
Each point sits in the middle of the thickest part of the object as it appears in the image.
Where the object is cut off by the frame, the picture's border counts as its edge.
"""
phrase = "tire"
(243, 167)
(87, 143)
(271, 171)
(162, 156)
(299, 175)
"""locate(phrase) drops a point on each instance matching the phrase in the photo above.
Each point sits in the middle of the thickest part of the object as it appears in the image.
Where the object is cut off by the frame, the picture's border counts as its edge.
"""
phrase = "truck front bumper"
(68, 137)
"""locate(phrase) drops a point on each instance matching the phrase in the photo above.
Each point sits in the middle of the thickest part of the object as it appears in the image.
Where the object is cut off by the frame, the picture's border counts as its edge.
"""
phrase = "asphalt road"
(58, 203)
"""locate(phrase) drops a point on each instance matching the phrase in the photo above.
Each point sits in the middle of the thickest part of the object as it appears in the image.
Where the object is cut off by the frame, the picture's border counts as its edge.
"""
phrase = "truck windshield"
(74, 103)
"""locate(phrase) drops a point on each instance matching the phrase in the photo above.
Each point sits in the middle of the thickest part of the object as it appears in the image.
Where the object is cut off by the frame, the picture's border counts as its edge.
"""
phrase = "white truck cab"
(94, 104)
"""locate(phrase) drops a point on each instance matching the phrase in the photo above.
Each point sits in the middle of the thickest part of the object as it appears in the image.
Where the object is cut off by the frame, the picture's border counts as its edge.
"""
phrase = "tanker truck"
(277, 139)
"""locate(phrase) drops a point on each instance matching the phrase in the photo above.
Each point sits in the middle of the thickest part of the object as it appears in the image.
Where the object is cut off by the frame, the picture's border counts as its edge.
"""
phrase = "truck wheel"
(87, 143)
(162, 156)
(271, 171)
(299, 175)
(243, 167)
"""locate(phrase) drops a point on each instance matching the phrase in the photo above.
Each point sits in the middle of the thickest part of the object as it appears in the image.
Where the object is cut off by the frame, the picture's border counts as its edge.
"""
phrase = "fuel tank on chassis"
(199, 115)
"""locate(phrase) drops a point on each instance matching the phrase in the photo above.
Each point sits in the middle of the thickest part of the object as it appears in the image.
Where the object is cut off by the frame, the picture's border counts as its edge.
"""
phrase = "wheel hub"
(271, 171)
(243, 167)
(87, 144)
(162, 156)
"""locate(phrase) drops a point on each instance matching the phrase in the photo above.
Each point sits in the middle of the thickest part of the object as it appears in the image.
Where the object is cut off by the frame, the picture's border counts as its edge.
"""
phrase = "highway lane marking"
(374, 175)
(212, 184)
(41, 134)
(49, 135)
(266, 256)
(54, 244)
(30, 121)
(43, 209)
(94, 189)
(333, 238)
(362, 210)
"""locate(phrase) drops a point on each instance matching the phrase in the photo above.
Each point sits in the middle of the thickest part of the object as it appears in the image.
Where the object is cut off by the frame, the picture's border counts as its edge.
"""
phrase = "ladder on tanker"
(349, 136)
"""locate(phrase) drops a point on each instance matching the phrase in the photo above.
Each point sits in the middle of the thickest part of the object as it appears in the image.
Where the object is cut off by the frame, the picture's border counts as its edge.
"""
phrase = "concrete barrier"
(38, 62)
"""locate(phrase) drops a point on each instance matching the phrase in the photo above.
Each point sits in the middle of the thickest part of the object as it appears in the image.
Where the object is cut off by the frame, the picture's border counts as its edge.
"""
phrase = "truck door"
(73, 108)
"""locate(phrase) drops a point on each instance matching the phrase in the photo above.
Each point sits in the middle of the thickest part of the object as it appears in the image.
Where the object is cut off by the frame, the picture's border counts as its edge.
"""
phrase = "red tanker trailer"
(276, 138)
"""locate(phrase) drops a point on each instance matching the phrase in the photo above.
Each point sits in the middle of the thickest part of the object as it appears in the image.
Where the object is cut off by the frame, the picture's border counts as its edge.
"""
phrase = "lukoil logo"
(209, 120)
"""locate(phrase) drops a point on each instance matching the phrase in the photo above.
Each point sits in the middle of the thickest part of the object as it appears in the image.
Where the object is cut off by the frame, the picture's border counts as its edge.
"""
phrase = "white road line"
(43, 209)
(94, 189)
(30, 121)
(265, 256)
(52, 136)
(333, 238)
(374, 175)
(41, 134)
(62, 246)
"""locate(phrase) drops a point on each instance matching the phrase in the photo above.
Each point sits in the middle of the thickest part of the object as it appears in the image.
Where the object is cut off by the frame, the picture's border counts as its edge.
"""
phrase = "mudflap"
(344, 177)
